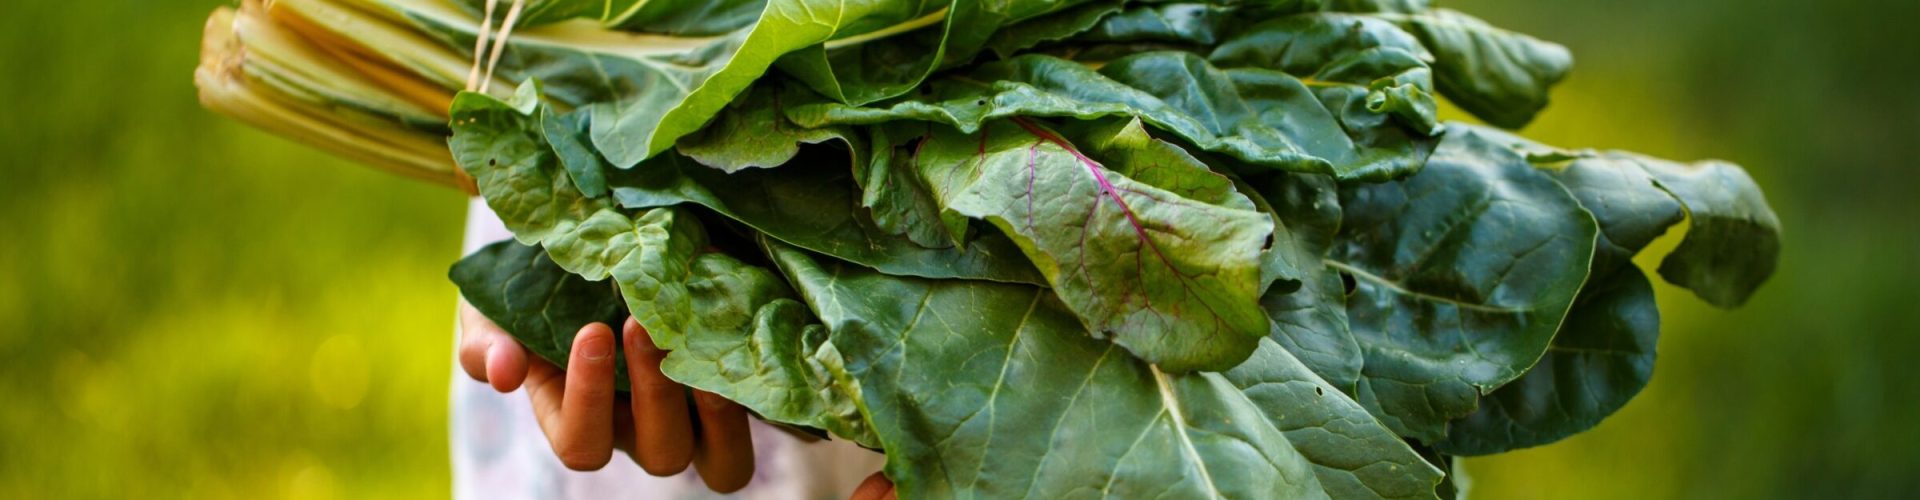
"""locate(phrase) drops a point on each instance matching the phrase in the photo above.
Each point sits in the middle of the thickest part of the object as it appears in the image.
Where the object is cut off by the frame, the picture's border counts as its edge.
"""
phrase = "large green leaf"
(900, 201)
(851, 70)
(753, 132)
(754, 346)
(811, 204)
(678, 17)
(1501, 76)
(644, 91)
(1461, 275)
(1310, 315)
(1600, 360)
(540, 304)
(948, 368)
(1012, 39)
(1369, 72)
(1259, 115)
(649, 256)
(1604, 354)
(1125, 26)
(1170, 278)
(1733, 241)
(506, 148)
(704, 306)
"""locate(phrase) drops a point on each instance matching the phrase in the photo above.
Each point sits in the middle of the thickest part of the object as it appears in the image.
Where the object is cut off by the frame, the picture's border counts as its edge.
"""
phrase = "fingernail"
(597, 348)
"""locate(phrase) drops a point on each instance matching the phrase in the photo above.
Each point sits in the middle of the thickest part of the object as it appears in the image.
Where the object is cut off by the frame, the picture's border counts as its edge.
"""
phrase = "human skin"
(584, 419)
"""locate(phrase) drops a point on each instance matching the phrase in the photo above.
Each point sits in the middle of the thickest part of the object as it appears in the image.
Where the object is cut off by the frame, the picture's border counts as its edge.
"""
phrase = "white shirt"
(499, 451)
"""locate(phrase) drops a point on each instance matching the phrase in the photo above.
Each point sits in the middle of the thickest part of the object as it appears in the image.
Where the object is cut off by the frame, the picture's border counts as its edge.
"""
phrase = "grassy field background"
(190, 308)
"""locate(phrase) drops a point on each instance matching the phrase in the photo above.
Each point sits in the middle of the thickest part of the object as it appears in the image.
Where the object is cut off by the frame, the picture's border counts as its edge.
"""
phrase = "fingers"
(487, 353)
(575, 407)
(663, 430)
(876, 487)
(725, 455)
(473, 341)
(506, 363)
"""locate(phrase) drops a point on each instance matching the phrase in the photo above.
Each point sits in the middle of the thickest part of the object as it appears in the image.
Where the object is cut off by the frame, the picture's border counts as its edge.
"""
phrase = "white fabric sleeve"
(499, 452)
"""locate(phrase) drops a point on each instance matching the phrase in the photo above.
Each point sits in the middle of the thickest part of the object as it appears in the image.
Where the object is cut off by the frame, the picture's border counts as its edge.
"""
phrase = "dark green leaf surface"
(1461, 274)
(540, 304)
(1604, 354)
(1310, 319)
(645, 91)
(1600, 360)
(674, 17)
(1053, 27)
(812, 205)
(1262, 116)
(948, 373)
(501, 145)
(1733, 243)
(1498, 75)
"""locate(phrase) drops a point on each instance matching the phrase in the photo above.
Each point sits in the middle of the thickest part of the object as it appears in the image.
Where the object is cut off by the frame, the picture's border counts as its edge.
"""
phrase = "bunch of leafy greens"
(1039, 248)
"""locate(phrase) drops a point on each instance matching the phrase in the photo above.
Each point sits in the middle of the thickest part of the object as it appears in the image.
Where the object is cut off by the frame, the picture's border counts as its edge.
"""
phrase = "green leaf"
(946, 375)
(1367, 70)
(679, 17)
(540, 304)
(1173, 279)
(899, 200)
(811, 204)
(1461, 275)
(1601, 358)
(566, 134)
(1184, 23)
(854, 71)
(1397, 6)
(644, 91)
(502, 146)
(753, 132)
(783, 369)
(1012, 39)
(1309, 317)
(752, 343)
(1498, 75)
(1349, 124)
(848, 70)
(1604, 353)
(1733, 243)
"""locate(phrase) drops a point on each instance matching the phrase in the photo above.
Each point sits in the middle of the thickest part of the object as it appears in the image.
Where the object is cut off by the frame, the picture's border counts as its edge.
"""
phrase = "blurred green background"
(190, 308)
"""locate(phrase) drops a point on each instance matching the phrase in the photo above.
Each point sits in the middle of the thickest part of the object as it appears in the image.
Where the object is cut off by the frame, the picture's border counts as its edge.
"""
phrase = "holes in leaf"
(1317, 391)
(493, 162)
(1347, 282)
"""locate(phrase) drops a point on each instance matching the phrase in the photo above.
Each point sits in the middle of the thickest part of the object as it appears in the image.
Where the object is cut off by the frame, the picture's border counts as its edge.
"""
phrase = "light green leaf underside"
(944, 373)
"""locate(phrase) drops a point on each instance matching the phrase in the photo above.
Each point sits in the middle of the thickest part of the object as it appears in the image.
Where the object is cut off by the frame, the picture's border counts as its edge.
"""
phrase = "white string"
(480, 46)
(500, 44)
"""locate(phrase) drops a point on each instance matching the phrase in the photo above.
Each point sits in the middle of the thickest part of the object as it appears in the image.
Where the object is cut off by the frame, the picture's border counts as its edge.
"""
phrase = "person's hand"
(876, 487)
(585, 422)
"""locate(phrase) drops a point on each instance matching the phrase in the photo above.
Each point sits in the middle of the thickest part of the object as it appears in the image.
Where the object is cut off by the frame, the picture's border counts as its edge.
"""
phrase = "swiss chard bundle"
(1037, 248)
